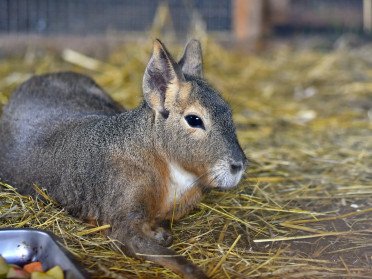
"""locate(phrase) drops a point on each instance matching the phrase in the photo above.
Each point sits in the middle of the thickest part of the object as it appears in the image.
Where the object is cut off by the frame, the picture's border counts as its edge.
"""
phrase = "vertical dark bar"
(4, 16)
(47, 20)
(50, 16)
(22, 16)
(69, 10)
(8, 15)
(27, 14)
(13, 16)
(18, 12)
(61, 16)
(37, 16)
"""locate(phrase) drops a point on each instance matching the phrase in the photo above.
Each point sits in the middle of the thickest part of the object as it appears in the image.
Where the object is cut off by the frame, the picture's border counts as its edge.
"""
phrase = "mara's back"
(42, 107)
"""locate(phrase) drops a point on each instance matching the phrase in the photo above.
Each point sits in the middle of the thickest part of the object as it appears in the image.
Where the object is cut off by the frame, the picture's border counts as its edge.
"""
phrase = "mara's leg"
(133, 231)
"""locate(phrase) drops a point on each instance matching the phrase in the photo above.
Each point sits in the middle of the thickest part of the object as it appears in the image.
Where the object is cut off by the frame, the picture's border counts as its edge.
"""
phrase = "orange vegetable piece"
(32, 267)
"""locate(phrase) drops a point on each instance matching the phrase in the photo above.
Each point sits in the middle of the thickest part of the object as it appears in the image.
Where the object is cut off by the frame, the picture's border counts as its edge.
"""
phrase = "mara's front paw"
(162, 236)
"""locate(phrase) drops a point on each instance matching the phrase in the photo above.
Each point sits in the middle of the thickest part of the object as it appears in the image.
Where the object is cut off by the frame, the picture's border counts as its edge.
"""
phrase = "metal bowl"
(21, 246)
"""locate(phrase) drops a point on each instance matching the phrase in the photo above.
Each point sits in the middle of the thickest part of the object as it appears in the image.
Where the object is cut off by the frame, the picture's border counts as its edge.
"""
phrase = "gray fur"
(100, 161)
(191, 61)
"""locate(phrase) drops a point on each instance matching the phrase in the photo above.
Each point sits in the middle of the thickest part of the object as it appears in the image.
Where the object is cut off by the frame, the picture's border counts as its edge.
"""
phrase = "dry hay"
(304, 209)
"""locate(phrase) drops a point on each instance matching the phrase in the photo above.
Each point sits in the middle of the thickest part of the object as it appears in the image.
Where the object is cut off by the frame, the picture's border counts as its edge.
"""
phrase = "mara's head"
(193, 124)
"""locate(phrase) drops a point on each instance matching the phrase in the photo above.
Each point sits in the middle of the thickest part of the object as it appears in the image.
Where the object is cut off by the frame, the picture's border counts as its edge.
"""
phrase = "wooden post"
(367, 16)
(248, 19)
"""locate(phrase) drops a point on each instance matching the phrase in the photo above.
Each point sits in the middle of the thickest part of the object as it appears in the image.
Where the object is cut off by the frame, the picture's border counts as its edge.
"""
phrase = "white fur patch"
(180, 181)
(223, 177)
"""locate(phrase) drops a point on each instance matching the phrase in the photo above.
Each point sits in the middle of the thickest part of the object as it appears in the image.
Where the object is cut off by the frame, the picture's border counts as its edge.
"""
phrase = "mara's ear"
(161, 73)
(192, 59)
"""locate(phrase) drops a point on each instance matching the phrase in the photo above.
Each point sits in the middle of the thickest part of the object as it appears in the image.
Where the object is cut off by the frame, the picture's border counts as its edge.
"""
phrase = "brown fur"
(184, 205)
(135, 170)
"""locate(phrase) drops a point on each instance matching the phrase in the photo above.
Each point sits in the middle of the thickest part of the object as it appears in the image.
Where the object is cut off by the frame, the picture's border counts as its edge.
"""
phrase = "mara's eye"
(194, 121)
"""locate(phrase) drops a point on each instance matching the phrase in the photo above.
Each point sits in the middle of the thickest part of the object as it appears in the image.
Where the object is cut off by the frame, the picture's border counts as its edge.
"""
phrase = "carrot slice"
(34, 266)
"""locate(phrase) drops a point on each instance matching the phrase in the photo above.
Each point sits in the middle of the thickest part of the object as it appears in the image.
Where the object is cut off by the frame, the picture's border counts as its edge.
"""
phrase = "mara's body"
(125, 168)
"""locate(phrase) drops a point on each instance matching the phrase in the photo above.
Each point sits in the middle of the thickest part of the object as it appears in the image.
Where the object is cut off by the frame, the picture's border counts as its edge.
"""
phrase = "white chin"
(229, 181)
(224, 179)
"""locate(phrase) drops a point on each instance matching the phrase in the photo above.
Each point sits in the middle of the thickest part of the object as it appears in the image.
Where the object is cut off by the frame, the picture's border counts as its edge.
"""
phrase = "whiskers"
(208, 175)
(218, 176)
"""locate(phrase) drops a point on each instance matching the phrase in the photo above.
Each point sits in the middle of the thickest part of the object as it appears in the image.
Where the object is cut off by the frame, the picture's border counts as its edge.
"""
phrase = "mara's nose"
(236, 167)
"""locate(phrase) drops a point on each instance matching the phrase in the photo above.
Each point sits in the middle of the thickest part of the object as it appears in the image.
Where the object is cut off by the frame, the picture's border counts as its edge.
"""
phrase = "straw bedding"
(304, 208)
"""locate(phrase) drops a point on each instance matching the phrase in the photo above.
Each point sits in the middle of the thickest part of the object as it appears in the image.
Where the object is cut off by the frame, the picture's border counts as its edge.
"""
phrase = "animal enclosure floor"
(304, 209)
